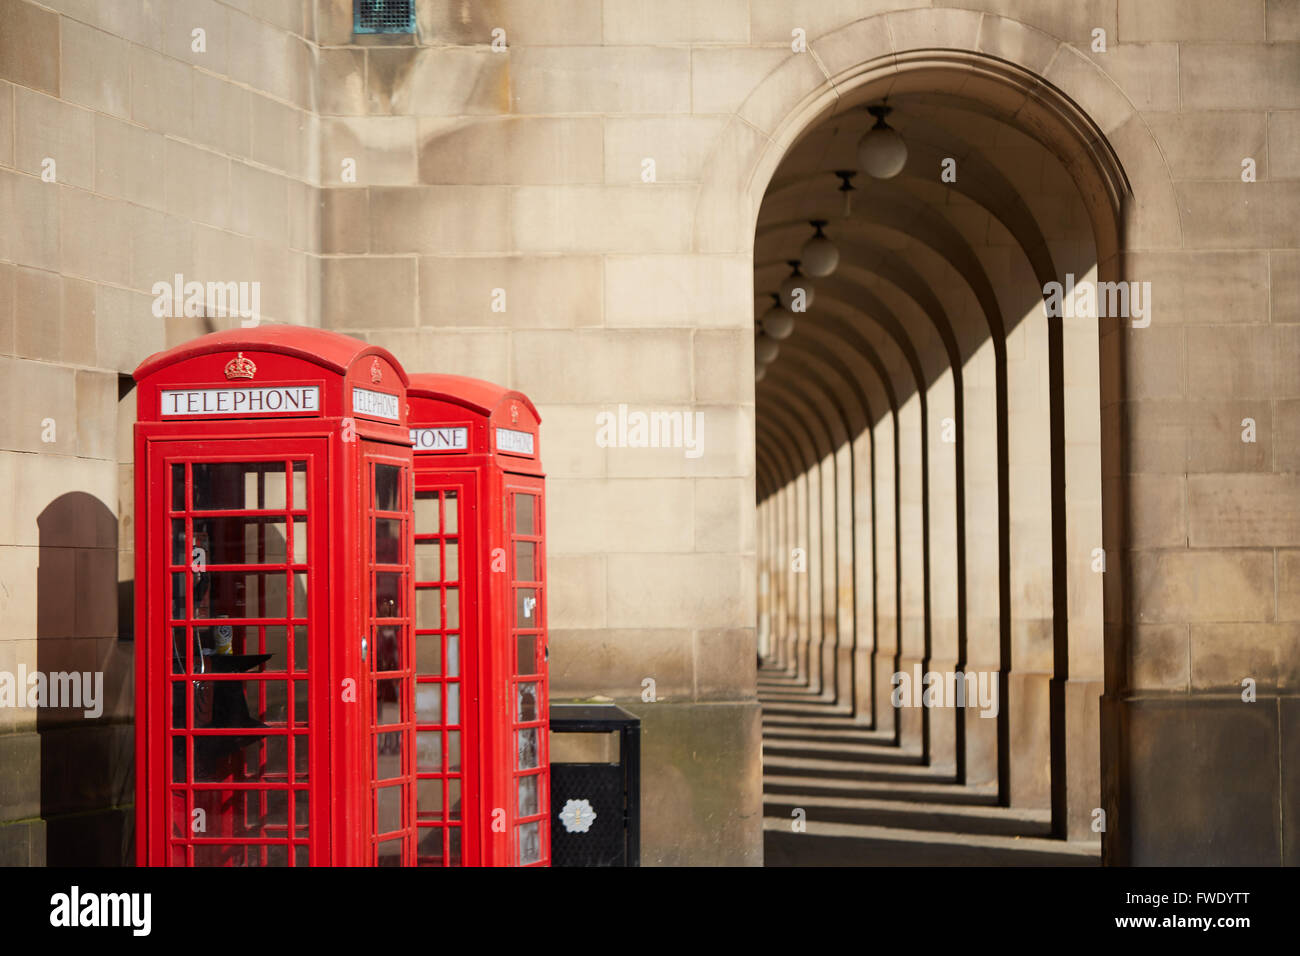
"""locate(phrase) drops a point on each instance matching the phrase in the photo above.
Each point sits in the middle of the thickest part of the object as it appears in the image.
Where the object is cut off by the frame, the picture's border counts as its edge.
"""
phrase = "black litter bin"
(596, 807)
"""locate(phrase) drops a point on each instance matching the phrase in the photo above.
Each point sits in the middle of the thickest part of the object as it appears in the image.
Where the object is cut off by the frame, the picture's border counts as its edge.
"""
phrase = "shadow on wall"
(87, 775)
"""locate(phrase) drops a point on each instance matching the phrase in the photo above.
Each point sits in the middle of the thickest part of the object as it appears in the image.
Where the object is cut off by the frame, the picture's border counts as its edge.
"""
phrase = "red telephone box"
(275, 714)
(482, 751)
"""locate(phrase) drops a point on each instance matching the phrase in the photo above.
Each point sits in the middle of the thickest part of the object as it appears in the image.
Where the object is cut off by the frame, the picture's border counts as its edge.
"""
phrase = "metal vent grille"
(383, 16)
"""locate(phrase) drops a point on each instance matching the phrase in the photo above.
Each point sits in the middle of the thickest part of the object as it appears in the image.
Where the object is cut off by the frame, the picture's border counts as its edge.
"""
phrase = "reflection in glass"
(299, 486)
(388, 701)
(388, 594)
(426, 561)
(526, 654)
(388, 648)
(525, 554)
(453, 703)
(234, 485)
(451, 514)
(426, 512)
(388, 541)
(527, 795)
(526, 607)
(428, 703)
(428, 608)
(524, 523)
(453, 799)
(178, 487)
(526, 749)
(388, 486)
(453, 750)
(526, 701)
(428, 655)
(453, 560)
(530, 842)
(390, 852)
(428, 751)
(453, 608)
(453, 655)
(428, 798)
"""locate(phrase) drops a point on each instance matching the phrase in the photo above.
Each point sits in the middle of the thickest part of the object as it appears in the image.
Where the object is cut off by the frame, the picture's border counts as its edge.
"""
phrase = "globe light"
(777, 322)
(760, 372)
(796, 291)
(819, 255)
(765, 349)
(882, 152)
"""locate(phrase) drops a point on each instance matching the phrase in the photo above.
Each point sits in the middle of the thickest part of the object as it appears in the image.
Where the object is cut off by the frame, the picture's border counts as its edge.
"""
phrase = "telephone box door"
(447, 684)
(238, 608)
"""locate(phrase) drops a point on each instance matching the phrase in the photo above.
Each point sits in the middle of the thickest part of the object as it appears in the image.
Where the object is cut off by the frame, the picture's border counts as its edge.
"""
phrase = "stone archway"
(1043, 87)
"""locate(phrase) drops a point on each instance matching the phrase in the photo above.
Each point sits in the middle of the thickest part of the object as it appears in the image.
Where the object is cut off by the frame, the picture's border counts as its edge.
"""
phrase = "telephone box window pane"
(178, 487)
(240, 540)
(453, 561)
(388, 701)
(428, 703)
(388, 541)
(427, 566)
(276, 710)
(530, 842)
(426, 512)
(300, 541)
(453, 608)
(390, 852)
(526, 607)
(428, 655)
(428, 799)
(300, 644)
(302, 855)
(235, 485)
(276, 643)
(428, 751)
(388, 648)
(527, 702)
(388, 594)
(526, 654)
(524, 520)
(388, 755)
(428, 608)
(301, 758)
(301, 811)
(453, 800)
(450, 513)
(178, 595)
(453, 655)
(454, 834)
(453, 750)
(178, 651)
(245, 594)
(301, 703)
(178, 541)
(525, 555)
(526, 749)
(390, 808)
(453, 703)
(429, 846)
(269, 808)
(388, 488)
(527, 795)
(299, 486)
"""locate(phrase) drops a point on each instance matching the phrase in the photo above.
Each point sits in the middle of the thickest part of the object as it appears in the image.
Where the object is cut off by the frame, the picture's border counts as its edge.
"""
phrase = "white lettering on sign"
(440, 439)
(272, 400)
(521, 443)
(379, 404)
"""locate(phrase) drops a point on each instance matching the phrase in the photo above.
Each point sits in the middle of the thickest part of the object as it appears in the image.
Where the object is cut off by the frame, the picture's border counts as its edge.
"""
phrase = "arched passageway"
(929, 459)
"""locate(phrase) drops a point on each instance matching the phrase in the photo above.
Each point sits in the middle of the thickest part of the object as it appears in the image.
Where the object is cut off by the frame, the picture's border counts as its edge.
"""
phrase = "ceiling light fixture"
(778, 321)
(796, 291)
(882, 152)
(819, 255)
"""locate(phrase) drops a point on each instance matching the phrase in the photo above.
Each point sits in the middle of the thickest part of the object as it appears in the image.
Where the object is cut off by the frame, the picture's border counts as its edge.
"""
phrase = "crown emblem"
(514, 413)
(240, 367)
(376, 372)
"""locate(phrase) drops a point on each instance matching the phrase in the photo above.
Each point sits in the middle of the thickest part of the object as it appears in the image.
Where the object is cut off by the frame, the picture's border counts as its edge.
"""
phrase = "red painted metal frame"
(341, 444)
(493, 476)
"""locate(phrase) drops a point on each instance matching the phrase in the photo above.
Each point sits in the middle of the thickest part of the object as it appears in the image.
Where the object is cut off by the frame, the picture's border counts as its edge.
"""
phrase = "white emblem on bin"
(577, 816)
